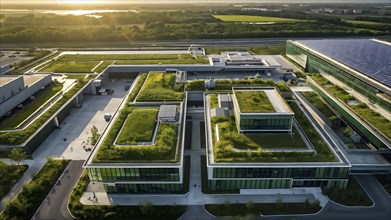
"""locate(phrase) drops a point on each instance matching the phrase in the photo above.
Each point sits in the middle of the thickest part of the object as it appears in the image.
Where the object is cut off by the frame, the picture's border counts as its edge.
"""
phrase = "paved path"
(55, 205)
(91, 113)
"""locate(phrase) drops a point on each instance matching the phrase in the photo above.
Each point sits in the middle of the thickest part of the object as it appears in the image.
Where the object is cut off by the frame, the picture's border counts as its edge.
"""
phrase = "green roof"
(254, 102)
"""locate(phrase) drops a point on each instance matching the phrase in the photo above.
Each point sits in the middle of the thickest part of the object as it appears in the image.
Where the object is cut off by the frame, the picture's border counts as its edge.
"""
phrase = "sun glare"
(80, 1)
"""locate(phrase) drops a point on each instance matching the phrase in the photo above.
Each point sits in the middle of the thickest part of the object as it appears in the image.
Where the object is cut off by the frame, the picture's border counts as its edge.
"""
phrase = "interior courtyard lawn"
(251, 18)
(139, 127)
(70, 67)
(254, 101)
(41, 97)
(160, 87)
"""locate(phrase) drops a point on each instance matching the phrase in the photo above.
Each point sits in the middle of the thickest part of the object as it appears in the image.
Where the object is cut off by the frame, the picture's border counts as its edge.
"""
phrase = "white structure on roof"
(168, 113)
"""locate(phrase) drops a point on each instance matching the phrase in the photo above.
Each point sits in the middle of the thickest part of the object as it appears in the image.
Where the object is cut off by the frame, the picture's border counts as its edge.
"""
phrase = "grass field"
(364, 22)
(70, 67)
(159, 87)
(250, 18)
(139, 127)
(18, 117)
(254, 101)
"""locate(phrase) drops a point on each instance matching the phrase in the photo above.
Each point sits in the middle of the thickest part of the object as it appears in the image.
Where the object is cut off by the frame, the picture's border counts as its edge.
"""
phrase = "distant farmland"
(250, 18)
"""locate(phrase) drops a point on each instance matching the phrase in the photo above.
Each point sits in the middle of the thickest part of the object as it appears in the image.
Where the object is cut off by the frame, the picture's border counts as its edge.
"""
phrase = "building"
(360, 65)
(261, 110)
(241, 162)
(16, 89)
(145, 154)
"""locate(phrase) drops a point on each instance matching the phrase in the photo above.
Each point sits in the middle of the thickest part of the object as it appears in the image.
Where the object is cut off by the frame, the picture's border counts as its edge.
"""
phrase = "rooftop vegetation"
(253, 101)
(137, 87)
(214, 101)
(21, 115)
(102, 66)
(315, 100)
(160, 87)
(70, 67)
(361, 109)
(9, 175)
(259, 50)
(283, 87)
(139, 127)
(163, 150)
(198, 85)
(19, 136)
(229, 138)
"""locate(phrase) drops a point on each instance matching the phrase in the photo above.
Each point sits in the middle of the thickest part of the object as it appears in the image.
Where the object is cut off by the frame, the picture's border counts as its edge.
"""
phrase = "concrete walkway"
(91, 113)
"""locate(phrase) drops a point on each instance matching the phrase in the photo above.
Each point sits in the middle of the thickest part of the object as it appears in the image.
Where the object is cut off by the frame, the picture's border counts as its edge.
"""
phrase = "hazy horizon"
(11, 2)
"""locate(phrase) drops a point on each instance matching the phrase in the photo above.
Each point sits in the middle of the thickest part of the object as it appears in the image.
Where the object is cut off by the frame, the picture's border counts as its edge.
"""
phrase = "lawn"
(139, 127)
(254, 101)
(198, 60)
(41, 97)
(353, 195)
(70, 67)
(250, 18)
(361, 109)
(100, 57)
(160, 87)
(365, 22)
(251, 208)
(9, 175)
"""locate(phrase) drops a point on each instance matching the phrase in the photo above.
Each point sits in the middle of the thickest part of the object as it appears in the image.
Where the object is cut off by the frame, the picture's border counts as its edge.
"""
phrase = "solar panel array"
(369, 57)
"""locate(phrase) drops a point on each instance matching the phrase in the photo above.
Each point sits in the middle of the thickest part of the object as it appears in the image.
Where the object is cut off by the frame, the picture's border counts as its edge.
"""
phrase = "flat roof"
(167, 111)
(6, 79)
(370, 57)
(272, 97)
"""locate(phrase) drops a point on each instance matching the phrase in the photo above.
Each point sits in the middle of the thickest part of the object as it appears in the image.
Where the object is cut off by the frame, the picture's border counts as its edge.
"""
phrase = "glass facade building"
(234, 178)
(313, 63)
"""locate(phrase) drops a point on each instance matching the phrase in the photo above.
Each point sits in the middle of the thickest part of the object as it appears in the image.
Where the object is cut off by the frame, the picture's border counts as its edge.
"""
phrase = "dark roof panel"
(369, 57)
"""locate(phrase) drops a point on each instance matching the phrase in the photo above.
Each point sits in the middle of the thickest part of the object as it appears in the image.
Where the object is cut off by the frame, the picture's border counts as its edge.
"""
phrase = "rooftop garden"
(227, 84)
(251, 147)
(361, 109)
(19, 136)
(160, 87)
(254, 101)
(139, 127)
(133, 94)
(214, 101)
(70, 66)
(163, 150)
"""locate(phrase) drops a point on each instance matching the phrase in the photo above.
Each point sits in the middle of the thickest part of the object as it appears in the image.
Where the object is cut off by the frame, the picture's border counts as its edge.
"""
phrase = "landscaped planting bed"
(361, 109)
(315, 100)
(160, 87)
(254, 101)
(139, 127)
(9, 175)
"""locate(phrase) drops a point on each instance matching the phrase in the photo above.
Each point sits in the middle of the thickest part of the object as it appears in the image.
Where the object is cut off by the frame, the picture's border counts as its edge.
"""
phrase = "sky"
(186, 1)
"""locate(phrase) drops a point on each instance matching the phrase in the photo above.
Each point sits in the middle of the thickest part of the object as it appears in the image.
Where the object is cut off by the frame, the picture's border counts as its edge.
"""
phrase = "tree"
(18, 155)
(95, 135)
(147, 208)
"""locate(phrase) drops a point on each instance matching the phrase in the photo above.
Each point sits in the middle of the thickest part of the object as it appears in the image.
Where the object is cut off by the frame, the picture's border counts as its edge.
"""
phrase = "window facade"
(144, 188)
(231, 185)
(296, 173)
(265, 124)
(134, 174)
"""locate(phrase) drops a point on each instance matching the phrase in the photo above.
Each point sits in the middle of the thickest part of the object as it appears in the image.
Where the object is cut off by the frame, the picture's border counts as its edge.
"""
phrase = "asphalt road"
(55, 205)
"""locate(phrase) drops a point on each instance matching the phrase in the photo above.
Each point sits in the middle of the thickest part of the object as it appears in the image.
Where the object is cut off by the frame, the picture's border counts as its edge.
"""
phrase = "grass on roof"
(70, 67)
(139, 127)
(315, 100)
(160, 87)
(214, 101)
(163, 150)
(102, 66)
(361, 109)
(251, 18)
(254, 101)
(41, 97)
(223, 149)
